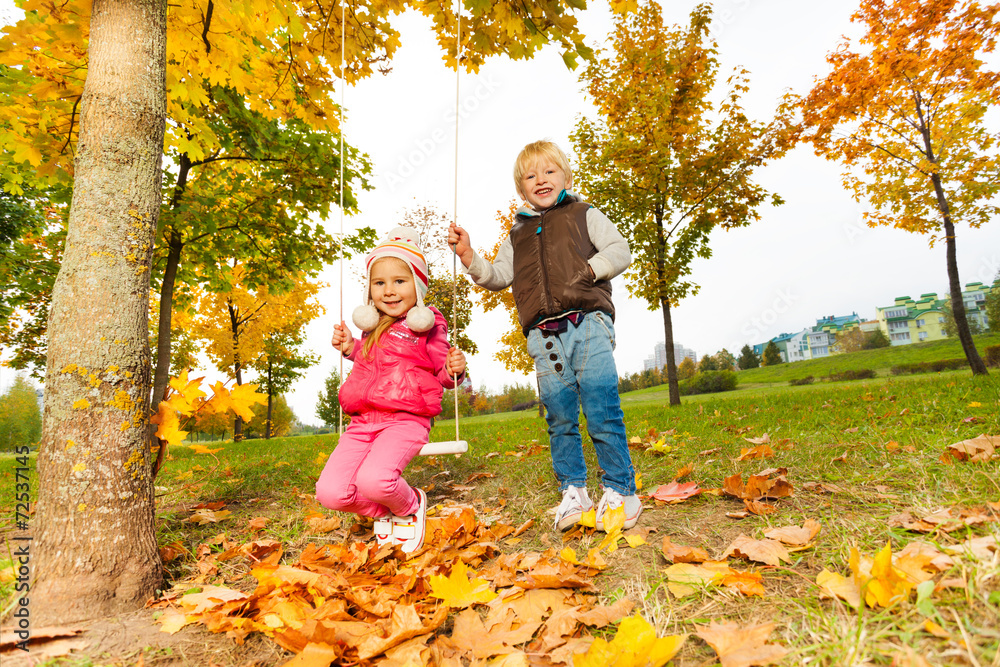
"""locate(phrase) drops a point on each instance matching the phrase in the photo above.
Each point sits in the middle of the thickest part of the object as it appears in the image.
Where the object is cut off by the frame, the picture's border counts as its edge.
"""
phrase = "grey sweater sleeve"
(495, 276)
(613, 254)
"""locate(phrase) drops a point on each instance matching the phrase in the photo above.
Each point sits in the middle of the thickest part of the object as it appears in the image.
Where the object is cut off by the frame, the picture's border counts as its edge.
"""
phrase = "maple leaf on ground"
(456, 590)
(685, 579)
(838, 586)
(748, 583)
(210, 597)
(795, 536)
(742, 647)
(758, 452)
(207, 516)
(202, 449)
(675, 492)
(634, 645)
(980, 548)
(770, 552)
(683, 472)
(976, 450)
(762, 440)
(676, 553)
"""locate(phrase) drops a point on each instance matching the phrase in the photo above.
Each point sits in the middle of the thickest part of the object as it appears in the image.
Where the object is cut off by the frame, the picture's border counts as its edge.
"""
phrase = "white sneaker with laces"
(575, 502)
(383, 530)
(408, 531)
(613, 500)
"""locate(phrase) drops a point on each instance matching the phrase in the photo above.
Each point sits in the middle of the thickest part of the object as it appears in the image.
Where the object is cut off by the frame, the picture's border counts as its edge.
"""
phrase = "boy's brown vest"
(551, 273)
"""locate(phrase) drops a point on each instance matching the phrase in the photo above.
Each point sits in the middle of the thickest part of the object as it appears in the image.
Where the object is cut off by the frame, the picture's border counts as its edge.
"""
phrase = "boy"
(560, 256)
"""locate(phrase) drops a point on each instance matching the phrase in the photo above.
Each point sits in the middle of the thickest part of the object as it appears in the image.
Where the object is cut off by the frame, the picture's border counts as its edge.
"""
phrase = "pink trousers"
(363, 474)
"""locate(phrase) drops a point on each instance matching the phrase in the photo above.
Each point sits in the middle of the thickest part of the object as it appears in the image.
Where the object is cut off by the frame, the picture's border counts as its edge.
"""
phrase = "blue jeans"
(577, 367)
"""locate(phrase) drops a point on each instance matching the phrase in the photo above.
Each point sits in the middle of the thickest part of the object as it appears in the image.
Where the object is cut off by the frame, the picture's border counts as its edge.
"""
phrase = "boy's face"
(392, 286)
(541, 183)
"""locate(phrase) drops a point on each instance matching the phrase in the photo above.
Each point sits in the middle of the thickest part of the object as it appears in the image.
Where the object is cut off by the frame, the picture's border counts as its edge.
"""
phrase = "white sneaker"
(408, 531)
(383, 530)
(613, 500)
(575, 502)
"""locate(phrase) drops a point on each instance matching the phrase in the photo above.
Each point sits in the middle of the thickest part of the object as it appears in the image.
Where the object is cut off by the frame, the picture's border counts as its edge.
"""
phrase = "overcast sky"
(810, 258)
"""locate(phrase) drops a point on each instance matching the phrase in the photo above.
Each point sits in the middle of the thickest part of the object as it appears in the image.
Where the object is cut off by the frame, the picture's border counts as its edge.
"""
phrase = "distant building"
(907, 321)
(659, 358)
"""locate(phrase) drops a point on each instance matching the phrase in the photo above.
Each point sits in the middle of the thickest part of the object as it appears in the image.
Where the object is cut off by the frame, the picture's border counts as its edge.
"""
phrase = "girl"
(401, 365)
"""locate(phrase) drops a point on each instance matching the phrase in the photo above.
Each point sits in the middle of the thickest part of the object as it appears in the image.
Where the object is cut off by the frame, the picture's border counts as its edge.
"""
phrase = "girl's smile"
(392, 286)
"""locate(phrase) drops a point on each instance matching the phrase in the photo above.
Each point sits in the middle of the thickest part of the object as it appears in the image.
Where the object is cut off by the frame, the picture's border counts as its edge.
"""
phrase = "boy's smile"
(392, 286)
(542, 184)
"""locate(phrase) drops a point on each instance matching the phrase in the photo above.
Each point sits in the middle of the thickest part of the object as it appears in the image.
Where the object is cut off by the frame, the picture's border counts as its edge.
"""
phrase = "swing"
(456, 446)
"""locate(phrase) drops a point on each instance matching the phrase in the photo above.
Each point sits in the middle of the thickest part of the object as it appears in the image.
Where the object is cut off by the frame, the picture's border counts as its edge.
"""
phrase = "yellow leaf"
(634, 645)
(202, 449)
(686, 578)
(187, 391)
(243, 397)
(589, 519)
(614, 518)
(635, 540)
(835, 585)
(456, 590)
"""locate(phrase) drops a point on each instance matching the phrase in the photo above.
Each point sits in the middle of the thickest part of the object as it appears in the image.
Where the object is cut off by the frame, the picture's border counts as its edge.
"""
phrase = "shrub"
(709, 382)
(930, 366)
(859, 374)
(991, 355)
(802, 381)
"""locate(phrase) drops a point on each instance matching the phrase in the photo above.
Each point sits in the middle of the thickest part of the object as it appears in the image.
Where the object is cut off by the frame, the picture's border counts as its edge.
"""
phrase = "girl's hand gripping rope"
(342, 338)
(455, 364)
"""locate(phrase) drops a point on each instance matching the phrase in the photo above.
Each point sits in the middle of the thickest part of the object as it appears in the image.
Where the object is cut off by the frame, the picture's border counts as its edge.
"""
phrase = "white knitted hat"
(403, 243)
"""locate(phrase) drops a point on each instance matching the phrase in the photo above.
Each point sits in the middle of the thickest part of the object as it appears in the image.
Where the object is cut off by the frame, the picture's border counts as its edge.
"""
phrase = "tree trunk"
(269, 401)
(668, 341)
(95, 545)
(955, 285)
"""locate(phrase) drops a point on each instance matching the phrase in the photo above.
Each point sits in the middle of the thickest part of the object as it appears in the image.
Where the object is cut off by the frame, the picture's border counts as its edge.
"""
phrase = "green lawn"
(879, 442)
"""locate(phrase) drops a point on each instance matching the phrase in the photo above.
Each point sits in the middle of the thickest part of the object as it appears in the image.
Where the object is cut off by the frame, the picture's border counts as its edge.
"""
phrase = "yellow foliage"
(456, 590)
(634, 645)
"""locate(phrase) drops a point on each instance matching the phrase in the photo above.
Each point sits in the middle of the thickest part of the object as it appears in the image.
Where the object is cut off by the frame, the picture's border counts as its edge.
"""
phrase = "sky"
(810, 258)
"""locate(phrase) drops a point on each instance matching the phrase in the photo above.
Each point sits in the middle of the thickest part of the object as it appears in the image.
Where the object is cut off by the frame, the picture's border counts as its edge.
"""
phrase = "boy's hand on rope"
(342, 338)
(455, 364)
(460, 242)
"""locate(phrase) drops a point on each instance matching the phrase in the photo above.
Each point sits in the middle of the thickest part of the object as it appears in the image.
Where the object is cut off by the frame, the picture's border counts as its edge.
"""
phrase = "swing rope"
(459, 445)
(454, 213)
(340, 124)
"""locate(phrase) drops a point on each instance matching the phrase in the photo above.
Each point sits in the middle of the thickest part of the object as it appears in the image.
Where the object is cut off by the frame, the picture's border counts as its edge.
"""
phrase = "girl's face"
(392, 286)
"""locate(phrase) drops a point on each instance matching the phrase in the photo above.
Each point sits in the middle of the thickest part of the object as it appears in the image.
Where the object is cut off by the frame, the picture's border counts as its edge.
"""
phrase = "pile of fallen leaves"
(357, 603)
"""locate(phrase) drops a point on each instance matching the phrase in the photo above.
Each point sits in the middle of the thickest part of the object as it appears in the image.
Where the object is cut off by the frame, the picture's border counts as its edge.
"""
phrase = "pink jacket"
(405, 372)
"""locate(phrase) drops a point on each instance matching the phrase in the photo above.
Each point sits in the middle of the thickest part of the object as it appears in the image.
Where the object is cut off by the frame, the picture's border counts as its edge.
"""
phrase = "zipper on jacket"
(546, 300)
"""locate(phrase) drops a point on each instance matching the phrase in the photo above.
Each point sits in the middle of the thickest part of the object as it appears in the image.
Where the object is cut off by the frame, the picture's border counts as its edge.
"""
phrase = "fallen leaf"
(685, 579)
(838, 586)
(795, 536)
(758, 452)
(634, 644)
(458, 591)
(207, 516)
(676, 553)
(976, 450)
(748, 583)
(675, 492)
(683, 472)
(770, 552)
(742, 647)
(762, 440)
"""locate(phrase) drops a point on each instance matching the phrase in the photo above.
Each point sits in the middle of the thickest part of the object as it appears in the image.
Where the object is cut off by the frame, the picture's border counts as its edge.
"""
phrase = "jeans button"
(558, 367)
(553, 356)
(548, 346)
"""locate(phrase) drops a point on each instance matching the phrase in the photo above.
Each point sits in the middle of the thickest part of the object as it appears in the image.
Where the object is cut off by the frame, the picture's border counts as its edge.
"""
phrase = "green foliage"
(993, 305)
(935, 366)
(853, 374)
(282, 418)
(800, 382)
(328, 401)
(650, 377)
(707, 363)
(772, 355)
(949, 326)
(748, 359)
(875, 340)
(709, 382)
(20, 416)
(991, 355)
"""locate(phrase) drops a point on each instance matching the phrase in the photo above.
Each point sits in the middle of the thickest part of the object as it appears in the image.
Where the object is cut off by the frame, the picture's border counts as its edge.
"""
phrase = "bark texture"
(95, 543)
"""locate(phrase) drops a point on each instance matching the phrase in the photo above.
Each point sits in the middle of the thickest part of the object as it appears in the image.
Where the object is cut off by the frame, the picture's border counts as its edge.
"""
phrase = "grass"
(890, 432)
(881, 360)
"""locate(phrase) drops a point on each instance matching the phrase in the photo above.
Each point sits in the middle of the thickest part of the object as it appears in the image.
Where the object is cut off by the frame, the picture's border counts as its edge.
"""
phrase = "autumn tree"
(686, 369)
(707, 363)
(725, 360)
(852, 340)
(772, 355)
(513, 350)
(20, 416)
(94, 481)
(243, 325)
(905, 109)
(748, 358)
(90, 110)
(280, 363)
(663, 161)
(271, 420)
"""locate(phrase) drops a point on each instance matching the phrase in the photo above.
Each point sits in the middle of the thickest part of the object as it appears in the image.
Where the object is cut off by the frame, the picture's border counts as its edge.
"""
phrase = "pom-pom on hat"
(403, 243)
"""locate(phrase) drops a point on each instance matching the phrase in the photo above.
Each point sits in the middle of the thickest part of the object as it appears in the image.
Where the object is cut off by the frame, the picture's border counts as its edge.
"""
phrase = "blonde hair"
(534, 151)
(384, 321)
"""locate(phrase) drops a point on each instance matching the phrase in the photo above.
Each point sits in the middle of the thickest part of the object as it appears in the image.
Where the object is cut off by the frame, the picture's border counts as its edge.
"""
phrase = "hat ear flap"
(365, 317)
